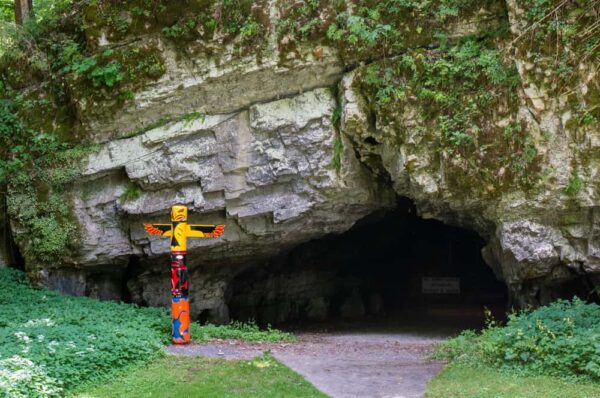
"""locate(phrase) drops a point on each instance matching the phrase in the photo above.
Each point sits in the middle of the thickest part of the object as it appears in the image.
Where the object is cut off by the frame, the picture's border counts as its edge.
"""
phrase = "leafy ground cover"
(560, 340)
(238, 331)
(461, 380)
(52, 344)
(174, 376)
(553, 351)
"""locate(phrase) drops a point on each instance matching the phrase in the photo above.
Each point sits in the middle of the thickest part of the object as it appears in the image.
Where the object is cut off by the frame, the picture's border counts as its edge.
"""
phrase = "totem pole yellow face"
(179, 230)
(178, 213)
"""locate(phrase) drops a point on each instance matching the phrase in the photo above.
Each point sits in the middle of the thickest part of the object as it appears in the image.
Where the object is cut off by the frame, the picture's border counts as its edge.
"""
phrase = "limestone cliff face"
(266, 172)
(284, 152)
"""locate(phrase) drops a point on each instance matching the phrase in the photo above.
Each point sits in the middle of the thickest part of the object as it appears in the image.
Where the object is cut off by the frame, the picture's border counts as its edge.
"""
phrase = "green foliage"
(190, 118)
(458, 90)
(246, 331)
(561, 35)
(44, 68)
(66, 342)
(107, 75)
(367, 29)
(574, 185)
(19, 144)
(336, 160)
(48, 12)
(125, 69)
(561, 339)
(131, 192)
(7, 11)
(39, 169)
(182, 22)
(336, 117)
(302, 20)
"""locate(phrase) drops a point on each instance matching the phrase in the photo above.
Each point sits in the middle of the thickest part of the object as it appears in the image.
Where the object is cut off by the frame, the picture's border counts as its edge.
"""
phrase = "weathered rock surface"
(267, 160)
(265, 172)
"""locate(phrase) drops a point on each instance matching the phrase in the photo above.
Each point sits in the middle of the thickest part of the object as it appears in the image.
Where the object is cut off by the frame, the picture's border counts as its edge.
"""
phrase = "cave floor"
(368, 359)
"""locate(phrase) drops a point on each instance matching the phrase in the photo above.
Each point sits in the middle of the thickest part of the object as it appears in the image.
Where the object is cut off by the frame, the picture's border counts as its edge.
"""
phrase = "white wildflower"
(52, 346)
(21, 378)
(40, 322)
(23, 337)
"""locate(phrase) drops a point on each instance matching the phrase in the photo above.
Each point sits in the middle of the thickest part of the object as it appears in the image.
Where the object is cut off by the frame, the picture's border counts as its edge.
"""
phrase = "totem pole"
(179, 230)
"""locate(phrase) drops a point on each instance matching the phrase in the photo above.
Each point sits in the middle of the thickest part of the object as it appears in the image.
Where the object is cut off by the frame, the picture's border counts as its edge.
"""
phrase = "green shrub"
(247, 331)
(7, 11)
(561, 339)
(131, 192)
(64, 342)
(574, 185)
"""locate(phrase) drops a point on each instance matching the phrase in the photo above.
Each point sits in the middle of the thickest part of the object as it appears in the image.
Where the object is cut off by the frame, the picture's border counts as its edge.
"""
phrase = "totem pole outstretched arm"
(159, 229)
(205, 231)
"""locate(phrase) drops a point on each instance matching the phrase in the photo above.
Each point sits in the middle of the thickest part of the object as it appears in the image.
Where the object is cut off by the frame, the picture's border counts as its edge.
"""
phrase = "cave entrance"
(389, 267)
(9, 252)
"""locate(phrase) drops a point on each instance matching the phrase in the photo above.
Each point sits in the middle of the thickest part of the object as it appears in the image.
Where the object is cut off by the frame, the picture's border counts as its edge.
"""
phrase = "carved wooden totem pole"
(179, 231)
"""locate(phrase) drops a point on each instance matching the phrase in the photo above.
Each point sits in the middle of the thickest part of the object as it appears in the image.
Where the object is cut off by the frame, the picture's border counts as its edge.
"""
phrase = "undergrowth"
(247, 331)
(561, 339)
(51, 343)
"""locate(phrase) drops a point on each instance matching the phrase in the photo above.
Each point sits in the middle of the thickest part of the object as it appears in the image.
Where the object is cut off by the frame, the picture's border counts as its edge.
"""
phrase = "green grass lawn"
(466, 381)
(175, 376)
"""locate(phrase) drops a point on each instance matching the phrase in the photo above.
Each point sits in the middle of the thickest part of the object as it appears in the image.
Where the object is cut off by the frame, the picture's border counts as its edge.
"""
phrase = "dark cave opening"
(9, 250)
(388, 266)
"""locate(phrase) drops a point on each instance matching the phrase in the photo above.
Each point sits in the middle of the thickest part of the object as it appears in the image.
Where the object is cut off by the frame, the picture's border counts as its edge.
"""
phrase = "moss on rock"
(459, 101)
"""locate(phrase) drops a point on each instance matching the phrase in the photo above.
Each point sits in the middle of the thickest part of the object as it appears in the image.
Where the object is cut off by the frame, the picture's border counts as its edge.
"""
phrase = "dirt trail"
(345, 365)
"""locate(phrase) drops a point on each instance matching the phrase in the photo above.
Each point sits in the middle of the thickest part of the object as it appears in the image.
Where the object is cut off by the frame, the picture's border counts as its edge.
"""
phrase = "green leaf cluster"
(131, 192)
(36, 203)
(561, 339)
(246, 331)
(7, 11)
(574, 185)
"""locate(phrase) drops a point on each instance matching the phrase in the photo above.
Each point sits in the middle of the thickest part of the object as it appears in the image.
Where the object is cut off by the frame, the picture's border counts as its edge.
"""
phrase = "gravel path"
(344, 365)
(364, 365)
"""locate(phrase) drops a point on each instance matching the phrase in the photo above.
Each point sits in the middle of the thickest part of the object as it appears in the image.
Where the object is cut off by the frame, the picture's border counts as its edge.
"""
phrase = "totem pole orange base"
(179, 231)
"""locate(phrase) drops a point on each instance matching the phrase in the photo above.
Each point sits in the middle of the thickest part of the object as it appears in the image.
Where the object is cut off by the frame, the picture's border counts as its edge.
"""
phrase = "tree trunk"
(23, 9)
